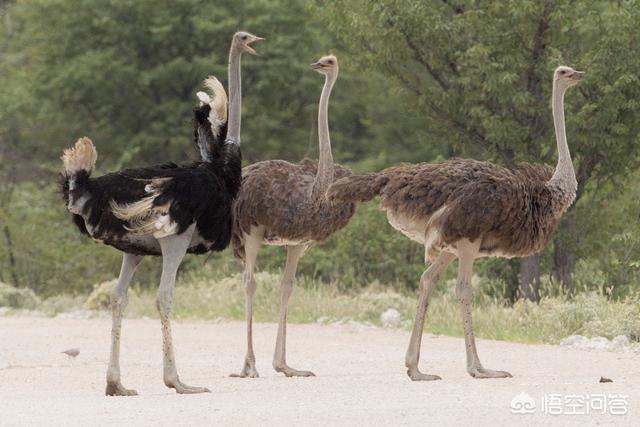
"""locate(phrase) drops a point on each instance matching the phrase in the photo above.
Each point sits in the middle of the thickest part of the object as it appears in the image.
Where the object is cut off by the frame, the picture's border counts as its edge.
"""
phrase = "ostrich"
(283, 204)
(165, 210)
(470, 209)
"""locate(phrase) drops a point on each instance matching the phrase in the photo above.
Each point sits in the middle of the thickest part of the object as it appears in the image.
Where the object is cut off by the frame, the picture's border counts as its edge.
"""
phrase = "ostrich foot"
(182, 388)
(416, 375)
(480, 372)
(116, 389)
(290, 372)
(248, 370)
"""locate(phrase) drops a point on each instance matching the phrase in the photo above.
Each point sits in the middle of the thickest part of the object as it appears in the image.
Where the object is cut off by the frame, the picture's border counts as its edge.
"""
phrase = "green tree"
(478, 74)
(125, 73)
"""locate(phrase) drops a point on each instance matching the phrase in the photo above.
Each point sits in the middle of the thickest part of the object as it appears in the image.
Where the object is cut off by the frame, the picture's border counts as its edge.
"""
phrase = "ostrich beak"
(578, 75)
(316, 65)
(248, 47)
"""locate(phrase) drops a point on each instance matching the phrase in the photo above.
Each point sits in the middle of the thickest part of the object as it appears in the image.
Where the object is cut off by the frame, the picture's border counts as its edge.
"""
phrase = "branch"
(417, 55)
(8, 29)
(585, 170)
(458, 9)
(535, 121)
(539, 45)
(415, 50)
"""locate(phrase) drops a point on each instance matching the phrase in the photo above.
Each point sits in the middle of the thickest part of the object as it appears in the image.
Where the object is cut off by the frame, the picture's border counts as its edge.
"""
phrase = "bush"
(100, 298)
(17, 297)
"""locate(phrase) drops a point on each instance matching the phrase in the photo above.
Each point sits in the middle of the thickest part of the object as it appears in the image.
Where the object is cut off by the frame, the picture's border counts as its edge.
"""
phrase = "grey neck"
(235, 96)
(564, 177)
(324, 177)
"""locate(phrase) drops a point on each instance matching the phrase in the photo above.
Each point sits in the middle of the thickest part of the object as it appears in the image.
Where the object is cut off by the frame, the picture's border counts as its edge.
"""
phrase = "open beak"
(248, 47)
(316, 65)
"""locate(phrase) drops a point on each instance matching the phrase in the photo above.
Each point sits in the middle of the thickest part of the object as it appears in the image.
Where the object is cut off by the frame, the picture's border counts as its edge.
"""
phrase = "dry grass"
(201, 295)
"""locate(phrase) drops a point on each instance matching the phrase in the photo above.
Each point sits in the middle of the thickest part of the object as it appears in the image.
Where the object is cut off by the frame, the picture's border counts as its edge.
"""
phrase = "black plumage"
(202, 193)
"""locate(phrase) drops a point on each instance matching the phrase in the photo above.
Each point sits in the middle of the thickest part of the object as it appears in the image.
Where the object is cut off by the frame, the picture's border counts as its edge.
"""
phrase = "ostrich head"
(242, 42)
(327, 65)
(566, 77)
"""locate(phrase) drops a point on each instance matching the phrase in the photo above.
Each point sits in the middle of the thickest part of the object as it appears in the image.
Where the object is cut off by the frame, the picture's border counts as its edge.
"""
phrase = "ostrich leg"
(428, 282)
(252, 244)
(173, 250)
(118, 303)
(294, 253)
(464, 292)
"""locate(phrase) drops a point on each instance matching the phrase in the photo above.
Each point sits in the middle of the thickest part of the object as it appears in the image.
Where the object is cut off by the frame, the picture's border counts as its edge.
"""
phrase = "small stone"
(573, 340)
(605, 380)
(598, 343)
(391, 318)
(620, 341)
(322, 320)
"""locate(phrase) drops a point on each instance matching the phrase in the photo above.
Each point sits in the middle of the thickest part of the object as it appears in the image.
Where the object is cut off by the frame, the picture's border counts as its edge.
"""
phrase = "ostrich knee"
(164, 301)
(286, 290)
(119, 301)
(249, 284)
(464, 293)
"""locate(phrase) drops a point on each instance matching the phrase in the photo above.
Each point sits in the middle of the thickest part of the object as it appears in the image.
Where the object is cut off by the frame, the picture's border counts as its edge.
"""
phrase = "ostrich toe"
(480, 372)
(117, 389)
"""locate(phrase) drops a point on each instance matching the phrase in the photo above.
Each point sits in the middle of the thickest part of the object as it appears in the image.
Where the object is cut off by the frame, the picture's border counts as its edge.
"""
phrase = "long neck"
(235, 96)
(324, 177)
(564, 176)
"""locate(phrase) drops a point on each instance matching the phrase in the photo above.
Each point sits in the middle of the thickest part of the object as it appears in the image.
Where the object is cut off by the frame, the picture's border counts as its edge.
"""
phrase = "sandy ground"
(360, 377)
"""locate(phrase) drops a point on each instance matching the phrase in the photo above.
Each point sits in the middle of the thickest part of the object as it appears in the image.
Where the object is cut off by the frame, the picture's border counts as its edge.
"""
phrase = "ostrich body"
(468, 209)
(165, 210)
(283, 204)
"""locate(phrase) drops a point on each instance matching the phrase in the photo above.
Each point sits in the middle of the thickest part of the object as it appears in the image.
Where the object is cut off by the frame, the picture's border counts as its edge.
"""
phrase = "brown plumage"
(275, 195)
(518, 211)
(470, 209)
(284, 204)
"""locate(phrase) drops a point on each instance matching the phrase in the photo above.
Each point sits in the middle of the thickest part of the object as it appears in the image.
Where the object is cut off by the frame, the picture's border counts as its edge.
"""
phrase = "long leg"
(294, 253)
(174, 248)
(428, 282)
(464, 293)
(252, 244)
(118, 303)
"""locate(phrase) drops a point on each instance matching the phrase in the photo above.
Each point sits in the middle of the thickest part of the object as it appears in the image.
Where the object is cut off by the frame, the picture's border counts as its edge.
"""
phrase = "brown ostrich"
(468, 209)
(283, 204)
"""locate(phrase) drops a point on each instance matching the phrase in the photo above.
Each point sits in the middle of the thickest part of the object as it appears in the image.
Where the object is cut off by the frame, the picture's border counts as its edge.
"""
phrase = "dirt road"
(360, 377)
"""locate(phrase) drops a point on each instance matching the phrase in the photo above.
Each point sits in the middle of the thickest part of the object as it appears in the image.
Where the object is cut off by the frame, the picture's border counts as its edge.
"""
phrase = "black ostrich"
(165, 210)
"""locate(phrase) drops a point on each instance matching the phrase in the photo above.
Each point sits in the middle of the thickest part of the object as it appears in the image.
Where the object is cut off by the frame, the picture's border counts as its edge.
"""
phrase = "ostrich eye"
(330, 61)
(563, 72)
(244, 37)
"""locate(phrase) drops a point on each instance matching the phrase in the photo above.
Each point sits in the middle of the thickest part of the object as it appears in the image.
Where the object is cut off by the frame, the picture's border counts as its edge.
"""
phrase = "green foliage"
(204, 294)
(366, 251)
(100, 297)
(17, 297)
(419, 81)
(127, 77)
(479, 76)
(480, 73)
(50, 253)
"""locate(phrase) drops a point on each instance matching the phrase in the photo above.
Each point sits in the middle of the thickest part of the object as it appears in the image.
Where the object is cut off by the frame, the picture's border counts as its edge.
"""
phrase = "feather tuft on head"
(82, 157)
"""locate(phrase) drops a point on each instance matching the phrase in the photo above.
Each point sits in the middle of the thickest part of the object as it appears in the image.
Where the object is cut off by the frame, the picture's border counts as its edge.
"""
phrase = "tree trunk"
(530, 278)
(12, 258)
(512, 277)
(563, 256)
